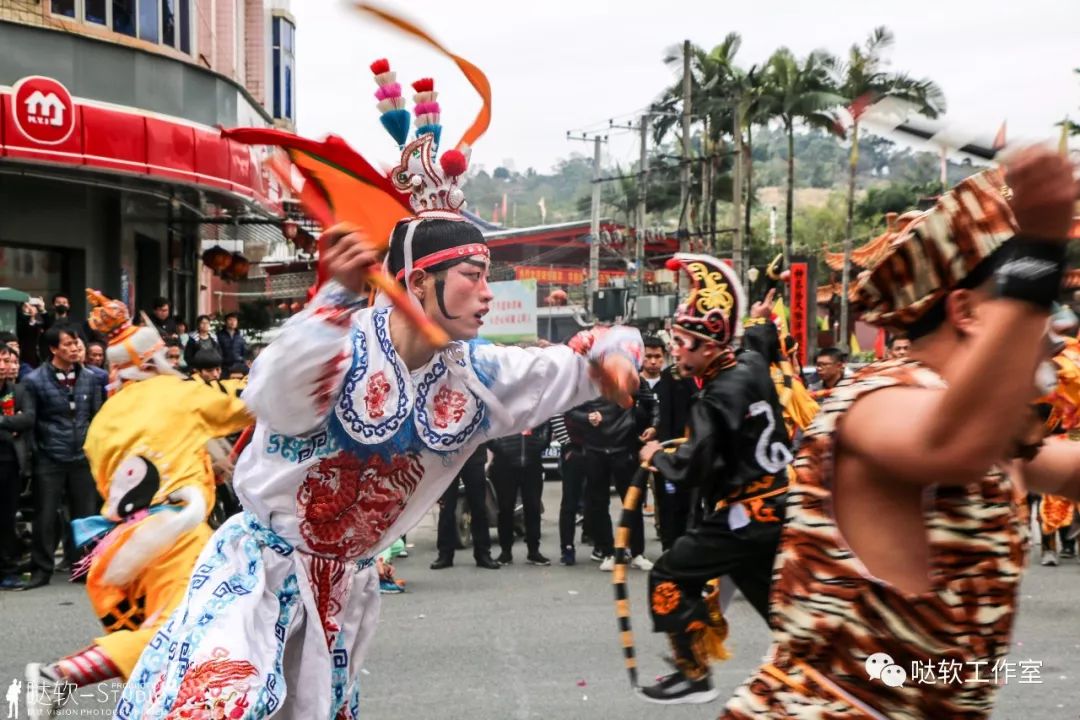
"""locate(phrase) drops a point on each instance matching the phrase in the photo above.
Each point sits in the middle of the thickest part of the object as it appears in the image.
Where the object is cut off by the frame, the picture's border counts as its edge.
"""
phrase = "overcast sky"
(570, 65)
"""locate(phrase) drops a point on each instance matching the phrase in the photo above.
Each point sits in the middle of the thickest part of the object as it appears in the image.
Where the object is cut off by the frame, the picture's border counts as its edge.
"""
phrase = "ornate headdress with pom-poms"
(421, 197)
(434, 189)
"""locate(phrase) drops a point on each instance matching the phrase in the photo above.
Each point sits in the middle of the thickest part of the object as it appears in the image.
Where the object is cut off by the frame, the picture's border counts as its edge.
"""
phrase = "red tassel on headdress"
(454, 163)
(424, 85)
(380, 66)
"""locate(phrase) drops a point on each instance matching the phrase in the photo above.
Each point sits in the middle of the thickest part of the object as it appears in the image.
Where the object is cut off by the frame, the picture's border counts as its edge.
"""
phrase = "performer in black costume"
(737, 456)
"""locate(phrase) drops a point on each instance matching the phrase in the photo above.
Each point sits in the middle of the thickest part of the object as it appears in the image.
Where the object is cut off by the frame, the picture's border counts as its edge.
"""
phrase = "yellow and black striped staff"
(631, 505)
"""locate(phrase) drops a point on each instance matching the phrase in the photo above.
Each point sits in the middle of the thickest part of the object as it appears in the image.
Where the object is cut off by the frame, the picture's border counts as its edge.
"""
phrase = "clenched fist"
(1044, 192)
(349, 257)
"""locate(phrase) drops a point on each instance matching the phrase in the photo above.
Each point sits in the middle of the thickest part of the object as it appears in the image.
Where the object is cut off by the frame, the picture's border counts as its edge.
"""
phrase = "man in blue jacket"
(63, 397)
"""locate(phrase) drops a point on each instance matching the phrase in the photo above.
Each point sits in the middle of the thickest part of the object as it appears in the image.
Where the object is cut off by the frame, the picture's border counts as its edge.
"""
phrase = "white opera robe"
(349, 451)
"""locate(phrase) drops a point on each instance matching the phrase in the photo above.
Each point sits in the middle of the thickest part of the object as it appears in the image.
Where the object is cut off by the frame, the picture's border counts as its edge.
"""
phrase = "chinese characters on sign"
(799, 307)
(512, 316)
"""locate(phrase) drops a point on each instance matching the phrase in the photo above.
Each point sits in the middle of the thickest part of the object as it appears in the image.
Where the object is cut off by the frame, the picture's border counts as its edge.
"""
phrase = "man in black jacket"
(611, 438)
(737, 457)
(517, 465)
(475, 487)
(231, 342)
(15, 425)
(674, 395)
(63, 397)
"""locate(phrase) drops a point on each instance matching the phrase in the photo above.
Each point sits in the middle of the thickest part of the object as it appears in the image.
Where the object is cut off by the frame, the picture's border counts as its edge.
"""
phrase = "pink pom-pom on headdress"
(427, 108)
(386, 92)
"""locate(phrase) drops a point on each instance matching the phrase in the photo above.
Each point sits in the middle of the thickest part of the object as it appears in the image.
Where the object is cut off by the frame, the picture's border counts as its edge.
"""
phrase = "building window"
(149, 14)
(167, 22)
(284, 63)
(123, 16)
(63, 7)
(185, 27)
(96, 12)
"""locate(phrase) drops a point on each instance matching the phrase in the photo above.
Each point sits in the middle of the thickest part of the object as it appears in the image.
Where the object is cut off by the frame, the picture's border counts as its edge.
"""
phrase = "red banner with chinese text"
(800, 307)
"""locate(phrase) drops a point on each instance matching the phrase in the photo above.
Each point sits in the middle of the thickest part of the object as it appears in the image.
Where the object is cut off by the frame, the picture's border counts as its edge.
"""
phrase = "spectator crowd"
(54, 377)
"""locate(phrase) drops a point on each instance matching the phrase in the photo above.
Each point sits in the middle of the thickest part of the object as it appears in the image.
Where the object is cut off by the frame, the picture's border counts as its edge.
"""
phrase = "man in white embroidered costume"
(361, 425)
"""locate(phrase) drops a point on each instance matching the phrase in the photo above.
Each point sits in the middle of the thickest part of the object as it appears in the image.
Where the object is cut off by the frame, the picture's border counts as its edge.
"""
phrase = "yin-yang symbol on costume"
(133, 486)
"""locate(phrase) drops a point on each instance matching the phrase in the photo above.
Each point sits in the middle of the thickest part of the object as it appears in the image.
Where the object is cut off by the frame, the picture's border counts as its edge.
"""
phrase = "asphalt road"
(526, 642)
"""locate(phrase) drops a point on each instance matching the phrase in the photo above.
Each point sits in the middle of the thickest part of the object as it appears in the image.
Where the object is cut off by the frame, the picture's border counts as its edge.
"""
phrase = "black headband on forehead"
(435, 241)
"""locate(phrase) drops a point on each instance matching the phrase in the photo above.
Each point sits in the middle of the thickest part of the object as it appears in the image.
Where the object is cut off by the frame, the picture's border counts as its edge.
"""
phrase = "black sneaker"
(505, 558)
(677, 689)
(597, 556)
(535, 558)
(569, 556)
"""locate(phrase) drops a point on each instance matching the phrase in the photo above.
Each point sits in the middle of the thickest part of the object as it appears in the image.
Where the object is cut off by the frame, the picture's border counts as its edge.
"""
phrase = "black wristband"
(1032, 272)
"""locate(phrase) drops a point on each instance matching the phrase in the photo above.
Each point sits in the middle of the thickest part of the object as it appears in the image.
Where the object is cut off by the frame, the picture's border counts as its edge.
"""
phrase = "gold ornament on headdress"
(713, 291)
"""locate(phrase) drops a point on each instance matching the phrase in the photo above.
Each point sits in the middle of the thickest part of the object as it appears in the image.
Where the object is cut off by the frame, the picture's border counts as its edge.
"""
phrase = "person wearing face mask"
(362, 423)
(930, 455)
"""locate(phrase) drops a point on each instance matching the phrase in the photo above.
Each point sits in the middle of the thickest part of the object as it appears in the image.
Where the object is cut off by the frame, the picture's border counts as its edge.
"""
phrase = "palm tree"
(863, 78)
(799, 92)
(712, 100)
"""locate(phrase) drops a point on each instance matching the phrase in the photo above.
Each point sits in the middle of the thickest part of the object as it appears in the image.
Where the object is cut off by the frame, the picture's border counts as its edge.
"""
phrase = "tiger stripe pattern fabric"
(829, 615)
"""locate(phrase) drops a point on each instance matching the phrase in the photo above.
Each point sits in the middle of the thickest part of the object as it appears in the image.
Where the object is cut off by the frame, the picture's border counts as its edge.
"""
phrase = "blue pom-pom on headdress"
(396, 123)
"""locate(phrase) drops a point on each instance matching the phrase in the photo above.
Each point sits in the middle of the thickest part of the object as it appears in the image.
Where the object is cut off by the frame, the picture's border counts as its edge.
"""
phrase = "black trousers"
(603, 470)
(57, 486)
(472, 476)
(508, 481)
(10, 488)
(709, 551)
(572, 468)
(672, 510)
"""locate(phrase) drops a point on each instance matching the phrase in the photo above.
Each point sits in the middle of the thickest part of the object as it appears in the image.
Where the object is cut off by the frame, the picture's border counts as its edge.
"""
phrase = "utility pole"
(643, 179)
(593, 279)
(684, 194)
(706, 187)
(594, 227)
(736, 198)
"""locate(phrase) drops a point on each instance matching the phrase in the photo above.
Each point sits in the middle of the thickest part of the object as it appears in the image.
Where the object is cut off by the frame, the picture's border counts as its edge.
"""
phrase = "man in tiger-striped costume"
(905, 535)
(737, 456)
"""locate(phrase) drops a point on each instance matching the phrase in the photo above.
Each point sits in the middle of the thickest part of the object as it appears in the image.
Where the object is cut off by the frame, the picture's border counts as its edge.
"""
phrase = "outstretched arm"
(535, 383)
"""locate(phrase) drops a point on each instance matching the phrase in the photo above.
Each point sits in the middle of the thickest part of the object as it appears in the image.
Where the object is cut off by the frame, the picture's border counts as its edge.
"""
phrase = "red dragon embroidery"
(449, 407)
(346, 504)
(378, 389)
(330, 584)
(214, 689)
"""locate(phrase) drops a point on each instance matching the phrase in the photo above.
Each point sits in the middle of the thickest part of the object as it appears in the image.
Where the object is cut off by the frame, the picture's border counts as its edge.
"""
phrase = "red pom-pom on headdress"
(424, 85)
(454, 163)
(380, 66)
(672, 264)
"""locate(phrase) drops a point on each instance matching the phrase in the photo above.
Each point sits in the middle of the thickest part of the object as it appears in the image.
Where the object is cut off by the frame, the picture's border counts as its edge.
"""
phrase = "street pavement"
(528, 642)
